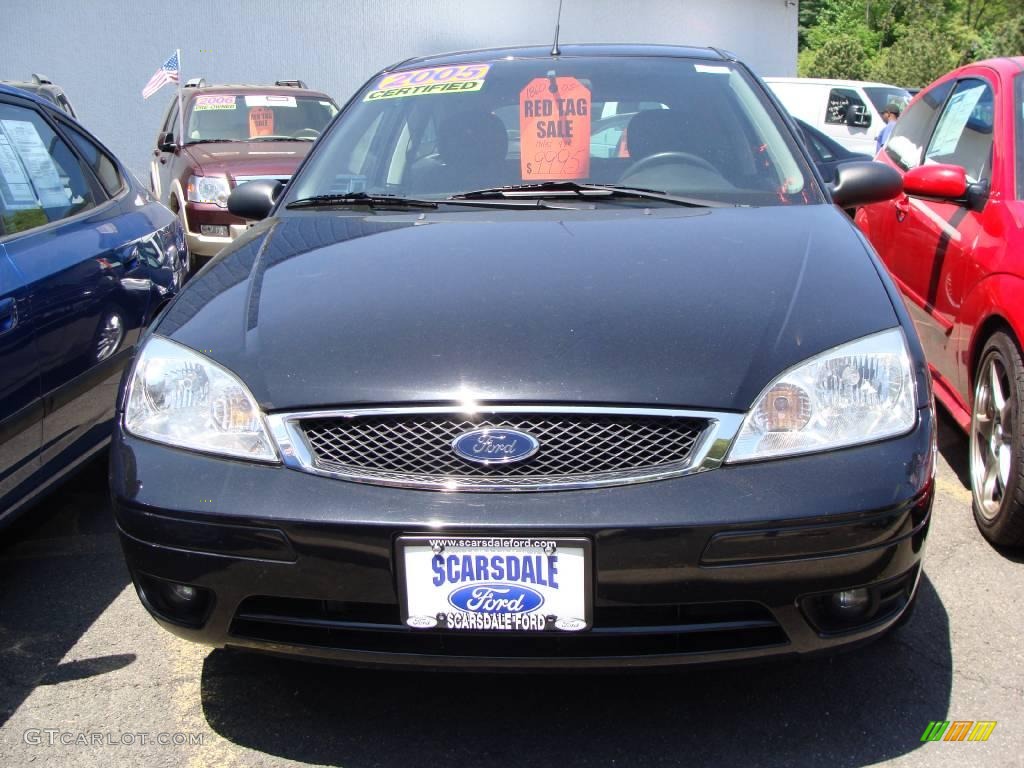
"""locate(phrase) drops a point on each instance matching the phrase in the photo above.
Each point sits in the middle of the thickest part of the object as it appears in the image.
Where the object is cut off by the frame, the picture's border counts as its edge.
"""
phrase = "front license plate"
(500, 584)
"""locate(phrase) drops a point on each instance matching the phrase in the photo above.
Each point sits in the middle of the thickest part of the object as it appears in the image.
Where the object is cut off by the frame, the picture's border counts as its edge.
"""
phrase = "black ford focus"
(539, 360)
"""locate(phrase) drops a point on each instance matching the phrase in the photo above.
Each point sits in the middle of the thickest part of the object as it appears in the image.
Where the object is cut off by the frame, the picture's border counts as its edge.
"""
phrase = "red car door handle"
(902, 207)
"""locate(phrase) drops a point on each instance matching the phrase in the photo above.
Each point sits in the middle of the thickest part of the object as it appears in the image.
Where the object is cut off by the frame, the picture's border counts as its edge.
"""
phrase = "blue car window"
(41, 179)
(100, 162)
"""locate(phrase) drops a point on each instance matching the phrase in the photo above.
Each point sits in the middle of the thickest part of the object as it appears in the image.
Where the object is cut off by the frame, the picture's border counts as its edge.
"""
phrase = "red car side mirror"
(947, 182)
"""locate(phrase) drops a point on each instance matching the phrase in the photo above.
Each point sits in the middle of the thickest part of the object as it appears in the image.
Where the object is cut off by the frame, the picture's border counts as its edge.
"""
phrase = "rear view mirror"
(165, 142)
(864, 181)
(255, 199)
(857, 116)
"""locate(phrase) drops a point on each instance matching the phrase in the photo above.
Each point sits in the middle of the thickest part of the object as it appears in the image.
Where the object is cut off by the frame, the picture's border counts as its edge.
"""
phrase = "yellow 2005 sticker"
(421, 82)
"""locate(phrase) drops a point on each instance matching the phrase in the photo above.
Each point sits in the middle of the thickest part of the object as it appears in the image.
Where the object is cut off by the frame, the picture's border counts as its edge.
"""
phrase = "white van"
(849, 111)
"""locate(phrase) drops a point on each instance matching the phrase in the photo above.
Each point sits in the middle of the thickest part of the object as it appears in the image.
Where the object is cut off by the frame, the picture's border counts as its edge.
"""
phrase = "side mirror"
(946, 182)
(253, 200)
(864, 181)
(165, 142)
(857, 116)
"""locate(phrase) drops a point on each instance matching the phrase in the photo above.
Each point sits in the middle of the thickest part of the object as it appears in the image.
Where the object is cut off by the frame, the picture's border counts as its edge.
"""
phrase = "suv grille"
(415, 449)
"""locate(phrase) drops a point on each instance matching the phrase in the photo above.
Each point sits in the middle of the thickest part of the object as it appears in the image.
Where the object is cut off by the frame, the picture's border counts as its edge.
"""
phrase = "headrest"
(472, 136)
(653, 131)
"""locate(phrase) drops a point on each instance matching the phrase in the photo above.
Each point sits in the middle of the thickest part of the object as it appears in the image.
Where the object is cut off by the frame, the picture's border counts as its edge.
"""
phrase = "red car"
(954, 243)
(233, 134)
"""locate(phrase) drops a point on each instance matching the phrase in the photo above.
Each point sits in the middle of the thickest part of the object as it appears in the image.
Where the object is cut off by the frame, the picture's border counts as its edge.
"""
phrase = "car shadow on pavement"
(954, 446)
(853, 709)
(60, 567)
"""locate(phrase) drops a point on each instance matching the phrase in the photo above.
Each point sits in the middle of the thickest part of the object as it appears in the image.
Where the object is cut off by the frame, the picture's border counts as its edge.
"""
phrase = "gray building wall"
(102, 52)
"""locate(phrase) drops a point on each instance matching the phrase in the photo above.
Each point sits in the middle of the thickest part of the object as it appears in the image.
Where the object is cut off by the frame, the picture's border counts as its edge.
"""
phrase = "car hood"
(249, 158)
(675, 307)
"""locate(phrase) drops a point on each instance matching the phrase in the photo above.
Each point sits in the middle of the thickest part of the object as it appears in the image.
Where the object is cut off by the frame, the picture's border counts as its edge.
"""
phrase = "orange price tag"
(261, 122)
(554, 129)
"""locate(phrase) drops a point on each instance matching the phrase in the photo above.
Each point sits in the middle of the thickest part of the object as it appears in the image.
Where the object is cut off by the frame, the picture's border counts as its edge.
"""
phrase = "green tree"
(841, 57)
(920, 56)
(908, 42)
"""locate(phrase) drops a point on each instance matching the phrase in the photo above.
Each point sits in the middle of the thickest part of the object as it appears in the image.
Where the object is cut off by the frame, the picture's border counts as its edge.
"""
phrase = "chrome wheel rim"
(110, 337)
(992, 431)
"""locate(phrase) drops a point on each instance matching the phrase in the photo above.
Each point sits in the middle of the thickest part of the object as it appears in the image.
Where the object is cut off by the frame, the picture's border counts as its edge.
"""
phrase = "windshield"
(249, 116)
(685, 127)
(881, 96)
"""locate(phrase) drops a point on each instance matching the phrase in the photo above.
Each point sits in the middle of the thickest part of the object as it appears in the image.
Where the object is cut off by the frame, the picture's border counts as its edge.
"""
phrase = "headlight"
(855, 393)
(178, 397)
(209, 189)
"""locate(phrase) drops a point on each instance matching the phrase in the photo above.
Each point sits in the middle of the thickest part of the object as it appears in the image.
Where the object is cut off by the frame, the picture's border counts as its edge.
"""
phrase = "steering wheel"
(664, 158)
(311, 133)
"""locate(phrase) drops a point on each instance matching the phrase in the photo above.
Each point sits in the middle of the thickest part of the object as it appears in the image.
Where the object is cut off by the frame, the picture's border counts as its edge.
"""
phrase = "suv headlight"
(209, 189)
(855, 393)
(178, 397)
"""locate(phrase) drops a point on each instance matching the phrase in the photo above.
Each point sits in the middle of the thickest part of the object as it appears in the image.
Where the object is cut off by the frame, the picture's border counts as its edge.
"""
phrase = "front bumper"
(709, 567)
(207, 246)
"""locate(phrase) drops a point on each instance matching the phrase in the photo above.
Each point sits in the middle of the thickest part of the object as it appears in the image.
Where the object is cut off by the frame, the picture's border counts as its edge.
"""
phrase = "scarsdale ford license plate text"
(503, 584)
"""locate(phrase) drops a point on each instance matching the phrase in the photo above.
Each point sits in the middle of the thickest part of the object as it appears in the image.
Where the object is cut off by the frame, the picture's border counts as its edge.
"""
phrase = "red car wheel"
(997, 444)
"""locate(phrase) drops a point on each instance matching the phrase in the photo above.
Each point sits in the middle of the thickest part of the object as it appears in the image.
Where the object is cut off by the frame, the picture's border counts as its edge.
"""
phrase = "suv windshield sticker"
(269, 100)
(420, 82)
(206, 103)
(261, 122)
(554, 129)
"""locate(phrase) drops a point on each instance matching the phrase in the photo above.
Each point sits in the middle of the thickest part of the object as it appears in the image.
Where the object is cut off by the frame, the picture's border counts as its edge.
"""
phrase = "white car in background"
(849, 111)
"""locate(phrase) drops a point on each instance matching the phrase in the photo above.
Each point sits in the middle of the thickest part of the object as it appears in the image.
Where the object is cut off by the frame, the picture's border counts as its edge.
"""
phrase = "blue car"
(87, 259)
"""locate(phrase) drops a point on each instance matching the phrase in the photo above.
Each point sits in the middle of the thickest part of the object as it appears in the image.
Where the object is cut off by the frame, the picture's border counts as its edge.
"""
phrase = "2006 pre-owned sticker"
(211, 102)
(421, 82)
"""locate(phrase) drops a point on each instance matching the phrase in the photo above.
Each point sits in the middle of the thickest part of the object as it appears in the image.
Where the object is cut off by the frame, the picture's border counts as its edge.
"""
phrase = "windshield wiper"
(211, 141)
(360, 198)
(281, 138)
(560, 188)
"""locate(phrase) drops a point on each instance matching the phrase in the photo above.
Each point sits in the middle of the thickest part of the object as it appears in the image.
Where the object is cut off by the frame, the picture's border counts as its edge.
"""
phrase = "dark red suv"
(231, 134)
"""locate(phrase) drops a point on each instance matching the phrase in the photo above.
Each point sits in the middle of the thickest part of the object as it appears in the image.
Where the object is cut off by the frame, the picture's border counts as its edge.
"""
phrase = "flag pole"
(181, 115)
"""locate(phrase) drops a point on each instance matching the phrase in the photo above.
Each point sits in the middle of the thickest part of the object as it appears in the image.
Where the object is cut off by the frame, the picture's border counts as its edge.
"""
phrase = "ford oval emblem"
(495, 446)
(496, 598)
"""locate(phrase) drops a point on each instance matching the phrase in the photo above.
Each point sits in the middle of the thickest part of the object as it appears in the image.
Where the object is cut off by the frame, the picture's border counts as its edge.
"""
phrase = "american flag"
(168, 73)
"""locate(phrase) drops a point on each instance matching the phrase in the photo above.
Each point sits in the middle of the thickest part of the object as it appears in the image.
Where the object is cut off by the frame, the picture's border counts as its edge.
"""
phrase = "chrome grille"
(581, 448)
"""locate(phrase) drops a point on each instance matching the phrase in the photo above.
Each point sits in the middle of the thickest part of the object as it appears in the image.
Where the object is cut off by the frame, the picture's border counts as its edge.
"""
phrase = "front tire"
(997, 442)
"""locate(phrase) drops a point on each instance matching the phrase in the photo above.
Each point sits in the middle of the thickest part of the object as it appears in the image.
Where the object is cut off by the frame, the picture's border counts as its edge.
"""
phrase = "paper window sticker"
(15, 188)
(554, 129)
(954, 120)
(434, 80)
(269, 100)
(214, 102)
(36, 160)
(261, 122)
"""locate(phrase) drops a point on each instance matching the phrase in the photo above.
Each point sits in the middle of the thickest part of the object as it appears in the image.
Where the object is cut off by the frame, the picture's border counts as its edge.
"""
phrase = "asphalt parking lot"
(81, 662)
